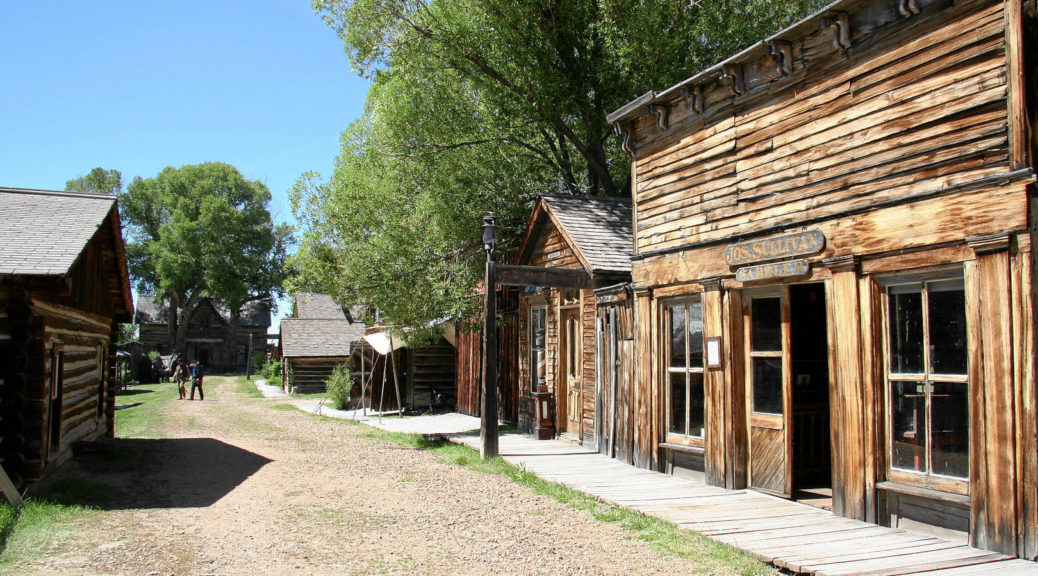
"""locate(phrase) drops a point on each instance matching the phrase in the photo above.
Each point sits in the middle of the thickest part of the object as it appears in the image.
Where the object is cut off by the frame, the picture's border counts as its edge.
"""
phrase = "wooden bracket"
(623, 130)
(840, 24)
(694, 98)
(782, 52)
(847, 263)
(908, 8)
(662, 111)
(731, 77)
(712, 284)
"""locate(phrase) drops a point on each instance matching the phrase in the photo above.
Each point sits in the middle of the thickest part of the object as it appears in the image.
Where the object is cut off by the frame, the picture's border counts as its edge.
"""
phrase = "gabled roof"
(598, 229)
(316, 305)
(44, 232)
(318, 338)
(152, 311)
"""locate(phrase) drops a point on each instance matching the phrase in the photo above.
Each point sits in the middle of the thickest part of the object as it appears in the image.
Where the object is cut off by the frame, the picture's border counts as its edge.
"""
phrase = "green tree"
(481, 105)
(203, 230)
(97, 181)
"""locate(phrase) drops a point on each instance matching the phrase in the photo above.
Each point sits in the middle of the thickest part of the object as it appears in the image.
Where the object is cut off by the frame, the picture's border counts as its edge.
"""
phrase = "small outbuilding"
(64, 290)
(319, 336)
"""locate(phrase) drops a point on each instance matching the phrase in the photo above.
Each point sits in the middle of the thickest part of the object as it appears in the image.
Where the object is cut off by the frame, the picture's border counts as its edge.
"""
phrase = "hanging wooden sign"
(772, 270)
(775, 247)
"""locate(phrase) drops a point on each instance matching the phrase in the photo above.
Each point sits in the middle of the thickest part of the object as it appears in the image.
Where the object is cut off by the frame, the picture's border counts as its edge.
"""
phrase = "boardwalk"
(792, 536)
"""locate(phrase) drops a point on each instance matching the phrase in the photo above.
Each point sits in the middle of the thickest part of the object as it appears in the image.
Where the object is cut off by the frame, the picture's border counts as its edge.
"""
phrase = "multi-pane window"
(927, 376)
(685, 397)
(538, 367)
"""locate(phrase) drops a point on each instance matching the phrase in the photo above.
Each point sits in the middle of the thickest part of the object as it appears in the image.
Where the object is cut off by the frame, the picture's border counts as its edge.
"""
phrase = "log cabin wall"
(902, 135)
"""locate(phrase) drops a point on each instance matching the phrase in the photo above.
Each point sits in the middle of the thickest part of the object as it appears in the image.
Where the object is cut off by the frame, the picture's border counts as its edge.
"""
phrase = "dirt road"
(235, 486)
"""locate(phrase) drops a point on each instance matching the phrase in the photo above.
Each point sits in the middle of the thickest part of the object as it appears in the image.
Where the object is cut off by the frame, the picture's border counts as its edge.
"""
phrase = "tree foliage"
(203, 230)
(481, 105)
(97, 181)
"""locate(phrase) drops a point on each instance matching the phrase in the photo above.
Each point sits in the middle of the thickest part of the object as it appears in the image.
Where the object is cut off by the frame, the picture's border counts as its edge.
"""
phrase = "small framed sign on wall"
(713, 352)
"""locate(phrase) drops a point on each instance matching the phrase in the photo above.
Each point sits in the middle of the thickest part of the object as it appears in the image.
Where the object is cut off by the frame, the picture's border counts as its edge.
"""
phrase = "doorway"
(787, 392)
(569, 379)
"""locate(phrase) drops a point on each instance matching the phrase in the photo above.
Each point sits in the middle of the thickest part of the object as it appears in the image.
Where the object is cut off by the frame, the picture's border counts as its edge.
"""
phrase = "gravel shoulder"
(235, 486)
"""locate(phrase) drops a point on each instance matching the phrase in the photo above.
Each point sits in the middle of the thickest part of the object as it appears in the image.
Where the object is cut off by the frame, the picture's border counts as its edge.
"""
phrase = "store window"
(686, 414)
(538, 367)
(927, 379)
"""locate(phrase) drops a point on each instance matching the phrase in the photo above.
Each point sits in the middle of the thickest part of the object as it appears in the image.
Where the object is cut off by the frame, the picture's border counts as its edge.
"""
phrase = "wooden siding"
(469, 361)
(907, 112)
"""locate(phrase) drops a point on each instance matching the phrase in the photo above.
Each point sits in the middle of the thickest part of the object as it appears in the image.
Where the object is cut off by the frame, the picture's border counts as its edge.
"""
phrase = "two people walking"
(196, 372)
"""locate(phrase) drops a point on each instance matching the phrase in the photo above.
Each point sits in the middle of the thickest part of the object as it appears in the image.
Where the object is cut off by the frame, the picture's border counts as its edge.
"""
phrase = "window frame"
(685, 303)
(536, 381)
(926, 478)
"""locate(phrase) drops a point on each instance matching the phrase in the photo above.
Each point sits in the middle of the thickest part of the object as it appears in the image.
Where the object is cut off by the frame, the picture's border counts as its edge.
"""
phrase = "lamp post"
(248, 359)
(488, 414)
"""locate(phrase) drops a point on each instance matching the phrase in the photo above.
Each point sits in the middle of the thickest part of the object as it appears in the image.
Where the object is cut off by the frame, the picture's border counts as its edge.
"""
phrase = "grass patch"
(144, 410)
(247, 388)
(284, 407)
(41, 525)
(662, 536)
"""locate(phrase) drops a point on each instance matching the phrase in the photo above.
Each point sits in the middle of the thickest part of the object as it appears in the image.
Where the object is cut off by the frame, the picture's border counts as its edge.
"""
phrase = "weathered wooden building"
(833, 266)
(64, 289)
(469, 360)
(319, 336)
(560, 389)
(209, 334)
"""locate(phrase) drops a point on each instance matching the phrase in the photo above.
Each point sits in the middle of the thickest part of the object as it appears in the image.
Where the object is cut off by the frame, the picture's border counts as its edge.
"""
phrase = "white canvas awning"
(383, 343)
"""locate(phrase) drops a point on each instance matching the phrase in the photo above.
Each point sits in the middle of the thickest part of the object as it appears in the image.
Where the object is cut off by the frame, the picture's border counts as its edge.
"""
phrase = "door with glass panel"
(686, 401)
(571, 367)
(768, 389)
(928, 384)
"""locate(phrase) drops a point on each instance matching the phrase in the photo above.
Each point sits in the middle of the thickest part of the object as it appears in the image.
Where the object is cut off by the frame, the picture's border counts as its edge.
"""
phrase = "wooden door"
(570, 368)
(768, 389)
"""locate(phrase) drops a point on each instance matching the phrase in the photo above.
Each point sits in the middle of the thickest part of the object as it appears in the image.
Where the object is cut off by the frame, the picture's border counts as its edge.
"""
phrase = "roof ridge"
(41, 192)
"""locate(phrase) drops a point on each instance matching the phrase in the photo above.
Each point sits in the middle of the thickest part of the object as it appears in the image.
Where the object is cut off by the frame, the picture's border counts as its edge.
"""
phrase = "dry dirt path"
(237, 487)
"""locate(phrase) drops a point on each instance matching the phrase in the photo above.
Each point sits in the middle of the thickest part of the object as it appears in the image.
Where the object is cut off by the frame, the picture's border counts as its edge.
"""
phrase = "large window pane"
(677, 336)
(677, 402)
(906, 330)
(950, 454)
(767, 325)
(908, 425)
(696, 405)
(538, 366)
(767, 385)
(695, 335)
(947, 323)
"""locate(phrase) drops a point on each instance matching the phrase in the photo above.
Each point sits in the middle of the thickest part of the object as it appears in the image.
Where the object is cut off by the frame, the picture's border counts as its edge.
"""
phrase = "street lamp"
(488, 413)
(248, 358)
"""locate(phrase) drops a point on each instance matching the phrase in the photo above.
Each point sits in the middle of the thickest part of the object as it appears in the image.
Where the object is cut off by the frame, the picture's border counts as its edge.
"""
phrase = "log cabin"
(210, 338)
(560, 389)
(319, 336)
(833, 268)
(64, 289)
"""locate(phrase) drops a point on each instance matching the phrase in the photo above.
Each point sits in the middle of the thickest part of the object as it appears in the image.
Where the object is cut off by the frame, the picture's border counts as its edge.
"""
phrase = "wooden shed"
(64, 289)
(558, 344)
(833, 271)
(319, 336)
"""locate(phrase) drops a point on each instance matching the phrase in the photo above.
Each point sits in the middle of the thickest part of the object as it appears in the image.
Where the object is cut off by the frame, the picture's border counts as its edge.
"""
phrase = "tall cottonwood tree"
(97, 181)
(203, 230)
(481, 105)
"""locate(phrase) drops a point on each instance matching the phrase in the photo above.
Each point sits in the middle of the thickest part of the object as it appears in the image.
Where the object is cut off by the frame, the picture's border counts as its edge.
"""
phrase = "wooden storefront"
(559, 379)
(833, 273)
(64, 289)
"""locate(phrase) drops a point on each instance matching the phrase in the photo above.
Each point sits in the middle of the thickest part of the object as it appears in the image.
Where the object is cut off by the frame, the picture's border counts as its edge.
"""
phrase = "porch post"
(488, 414)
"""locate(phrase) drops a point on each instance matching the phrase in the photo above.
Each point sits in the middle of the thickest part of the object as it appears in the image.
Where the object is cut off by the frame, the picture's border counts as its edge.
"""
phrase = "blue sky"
(138, 85)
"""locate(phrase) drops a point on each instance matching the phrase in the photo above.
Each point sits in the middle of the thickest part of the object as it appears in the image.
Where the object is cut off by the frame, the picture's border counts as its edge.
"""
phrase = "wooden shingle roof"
(151, 310)
(316, 305)
(598, 229)
(318, 338)
(44, 232)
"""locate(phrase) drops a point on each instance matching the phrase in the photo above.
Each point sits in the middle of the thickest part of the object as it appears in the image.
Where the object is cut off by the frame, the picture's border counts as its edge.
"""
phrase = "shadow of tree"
(123, 474)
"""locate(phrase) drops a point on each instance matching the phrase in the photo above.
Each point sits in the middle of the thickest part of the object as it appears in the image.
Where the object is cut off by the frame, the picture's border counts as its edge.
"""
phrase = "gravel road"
(235, 486)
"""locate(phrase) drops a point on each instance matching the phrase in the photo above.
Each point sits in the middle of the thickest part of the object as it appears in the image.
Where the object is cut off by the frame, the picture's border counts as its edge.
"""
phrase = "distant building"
(64, 289)
(208, 332)
(319, 336)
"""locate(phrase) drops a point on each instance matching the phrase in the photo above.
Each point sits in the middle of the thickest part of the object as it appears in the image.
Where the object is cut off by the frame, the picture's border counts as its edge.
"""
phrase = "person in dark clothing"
(197, 373)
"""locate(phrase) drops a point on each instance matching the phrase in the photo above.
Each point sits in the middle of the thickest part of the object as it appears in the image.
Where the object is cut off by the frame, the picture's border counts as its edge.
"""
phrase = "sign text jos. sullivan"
(775, 247)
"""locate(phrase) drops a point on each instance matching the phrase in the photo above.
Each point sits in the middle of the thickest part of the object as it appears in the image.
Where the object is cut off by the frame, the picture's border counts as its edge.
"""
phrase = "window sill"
(683, 448)
(928, 493)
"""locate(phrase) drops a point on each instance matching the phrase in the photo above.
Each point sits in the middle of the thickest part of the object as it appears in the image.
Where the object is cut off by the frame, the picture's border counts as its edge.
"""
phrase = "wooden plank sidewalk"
(789, 535)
